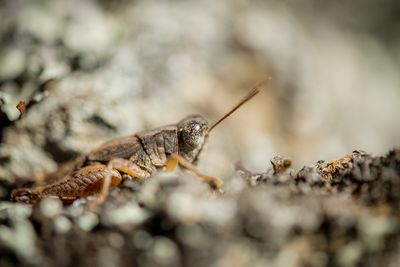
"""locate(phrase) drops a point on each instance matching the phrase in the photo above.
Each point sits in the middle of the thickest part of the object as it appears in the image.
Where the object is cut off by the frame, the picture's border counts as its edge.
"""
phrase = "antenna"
(249, 96)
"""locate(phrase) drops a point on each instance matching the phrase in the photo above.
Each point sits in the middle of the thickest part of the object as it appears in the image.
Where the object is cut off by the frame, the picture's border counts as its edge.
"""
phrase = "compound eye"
(195, 128)
(193, 132)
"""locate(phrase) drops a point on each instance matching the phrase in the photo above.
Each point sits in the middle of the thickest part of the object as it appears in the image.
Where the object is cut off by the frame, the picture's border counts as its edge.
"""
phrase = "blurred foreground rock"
(339, 213)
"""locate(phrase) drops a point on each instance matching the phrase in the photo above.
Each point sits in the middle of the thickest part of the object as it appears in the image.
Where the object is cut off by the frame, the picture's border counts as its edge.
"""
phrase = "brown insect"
(133, 157)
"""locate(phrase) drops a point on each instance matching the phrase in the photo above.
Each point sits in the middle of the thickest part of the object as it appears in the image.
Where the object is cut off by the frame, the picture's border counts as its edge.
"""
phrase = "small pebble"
(88, 221)
(50, 207)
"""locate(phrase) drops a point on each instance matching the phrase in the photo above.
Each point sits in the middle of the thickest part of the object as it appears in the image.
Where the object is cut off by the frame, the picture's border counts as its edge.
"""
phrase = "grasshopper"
(137, 156)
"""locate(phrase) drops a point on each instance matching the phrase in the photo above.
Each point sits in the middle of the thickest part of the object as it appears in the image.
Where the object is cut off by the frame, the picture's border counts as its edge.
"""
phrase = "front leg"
(176, 159)
(123, 166)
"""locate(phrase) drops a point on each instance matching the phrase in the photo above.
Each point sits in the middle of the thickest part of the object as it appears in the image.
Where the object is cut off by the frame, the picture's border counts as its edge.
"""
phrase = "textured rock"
(94, 70)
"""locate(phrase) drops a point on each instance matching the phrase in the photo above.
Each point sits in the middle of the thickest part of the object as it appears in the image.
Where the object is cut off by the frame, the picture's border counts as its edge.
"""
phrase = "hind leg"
(46, 178)
(82, 183)
(123, 166)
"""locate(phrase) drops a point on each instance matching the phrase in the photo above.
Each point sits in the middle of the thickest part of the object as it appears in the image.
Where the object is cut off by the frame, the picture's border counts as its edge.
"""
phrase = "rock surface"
(339, 213)
(89, 71)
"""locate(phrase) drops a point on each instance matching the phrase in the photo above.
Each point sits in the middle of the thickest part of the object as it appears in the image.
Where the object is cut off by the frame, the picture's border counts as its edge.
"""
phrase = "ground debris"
(337, 213)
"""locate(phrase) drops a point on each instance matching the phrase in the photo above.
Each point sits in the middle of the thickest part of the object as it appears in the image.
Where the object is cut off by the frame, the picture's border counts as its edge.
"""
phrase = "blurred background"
(101, 69)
